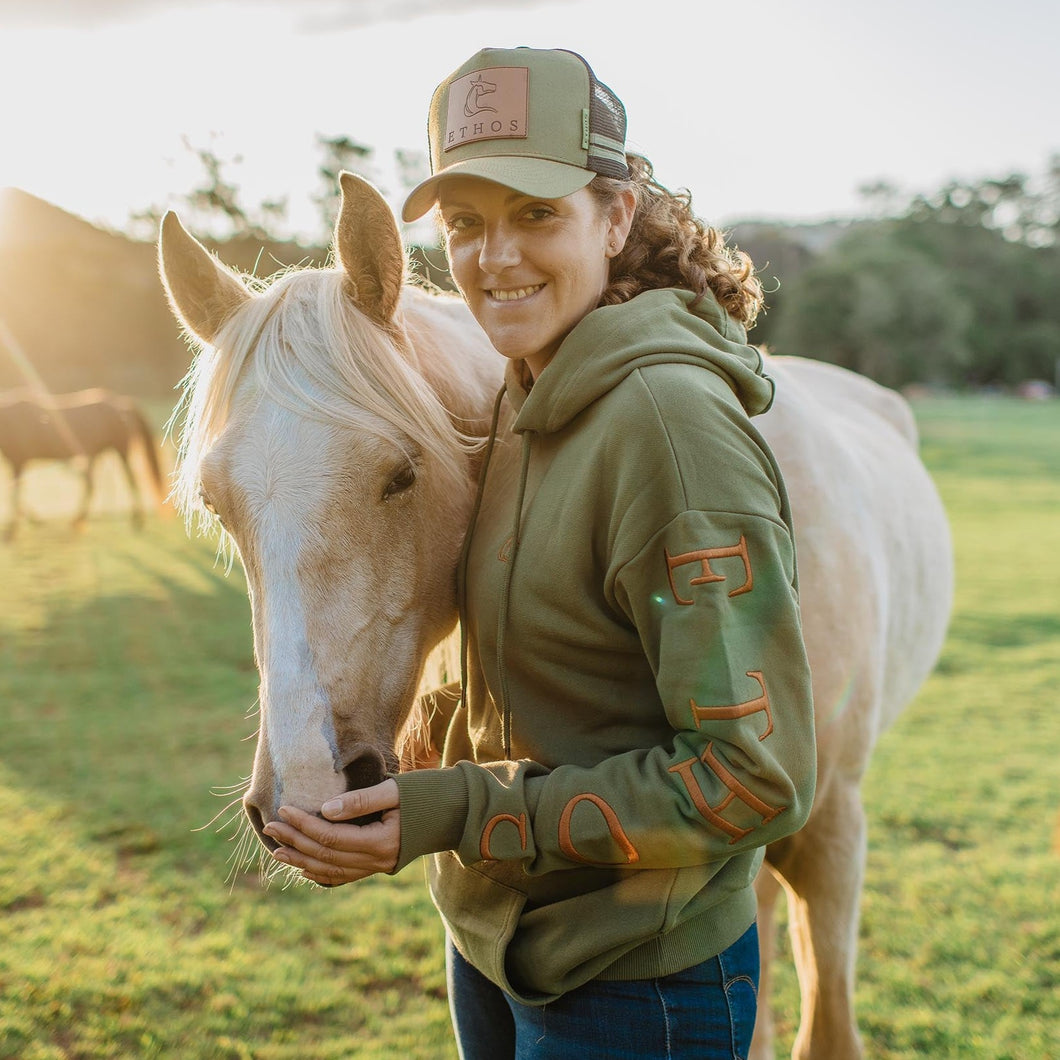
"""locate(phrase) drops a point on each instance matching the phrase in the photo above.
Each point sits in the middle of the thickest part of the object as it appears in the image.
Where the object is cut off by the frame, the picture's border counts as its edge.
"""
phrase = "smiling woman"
(530, 269)
(581, 777)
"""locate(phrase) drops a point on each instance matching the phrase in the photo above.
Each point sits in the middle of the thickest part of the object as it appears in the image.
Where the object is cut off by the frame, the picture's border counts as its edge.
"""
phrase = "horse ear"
(369, 249)
(202, 292)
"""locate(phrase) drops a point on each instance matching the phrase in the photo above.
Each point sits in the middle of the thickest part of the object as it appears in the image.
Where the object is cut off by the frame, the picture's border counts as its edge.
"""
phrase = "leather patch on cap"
(487, 105)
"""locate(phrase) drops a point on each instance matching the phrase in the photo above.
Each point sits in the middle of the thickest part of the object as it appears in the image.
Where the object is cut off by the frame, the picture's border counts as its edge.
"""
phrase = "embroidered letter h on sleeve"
(737, 789)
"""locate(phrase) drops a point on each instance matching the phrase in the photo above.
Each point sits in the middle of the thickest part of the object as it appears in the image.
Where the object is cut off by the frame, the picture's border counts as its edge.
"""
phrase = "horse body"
(75, 428)
(347, 508)
(876, 586)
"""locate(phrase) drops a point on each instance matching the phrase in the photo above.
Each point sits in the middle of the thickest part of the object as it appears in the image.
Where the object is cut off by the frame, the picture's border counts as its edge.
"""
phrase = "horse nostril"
(258, 823)
(366, 769)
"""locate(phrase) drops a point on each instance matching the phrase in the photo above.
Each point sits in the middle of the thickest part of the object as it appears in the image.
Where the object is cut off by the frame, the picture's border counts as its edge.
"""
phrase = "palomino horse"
(327, 422)
(76, 428)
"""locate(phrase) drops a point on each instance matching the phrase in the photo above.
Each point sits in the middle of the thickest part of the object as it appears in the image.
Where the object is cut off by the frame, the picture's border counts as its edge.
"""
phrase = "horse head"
(322, 429)
(473, 101)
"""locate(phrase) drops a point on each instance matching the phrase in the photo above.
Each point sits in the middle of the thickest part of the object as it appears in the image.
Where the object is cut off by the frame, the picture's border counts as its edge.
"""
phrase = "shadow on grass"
(126, 678)
(986, 630)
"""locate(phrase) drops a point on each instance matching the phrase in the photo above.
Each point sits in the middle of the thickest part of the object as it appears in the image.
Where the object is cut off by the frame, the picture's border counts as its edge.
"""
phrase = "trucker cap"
(531, 119)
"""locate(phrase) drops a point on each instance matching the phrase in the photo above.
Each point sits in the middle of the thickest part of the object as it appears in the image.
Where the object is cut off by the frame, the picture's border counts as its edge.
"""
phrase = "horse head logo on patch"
(487, 104)
(472, 102)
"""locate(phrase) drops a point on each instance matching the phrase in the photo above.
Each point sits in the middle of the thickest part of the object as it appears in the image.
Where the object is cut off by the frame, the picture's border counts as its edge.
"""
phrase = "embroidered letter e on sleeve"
(707, 575)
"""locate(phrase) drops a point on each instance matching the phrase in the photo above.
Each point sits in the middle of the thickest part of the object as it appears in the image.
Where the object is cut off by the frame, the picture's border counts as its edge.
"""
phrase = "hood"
(611, 342)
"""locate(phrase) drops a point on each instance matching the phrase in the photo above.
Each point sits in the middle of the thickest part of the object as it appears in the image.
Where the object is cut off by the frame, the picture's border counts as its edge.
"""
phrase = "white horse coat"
(326, 425)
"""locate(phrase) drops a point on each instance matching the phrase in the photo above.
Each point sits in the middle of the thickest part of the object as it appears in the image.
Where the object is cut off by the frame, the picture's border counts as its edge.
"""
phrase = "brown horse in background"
(76, 429)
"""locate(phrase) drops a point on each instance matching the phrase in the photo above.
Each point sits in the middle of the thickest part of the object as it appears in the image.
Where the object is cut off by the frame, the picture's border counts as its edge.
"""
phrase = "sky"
(777, 109)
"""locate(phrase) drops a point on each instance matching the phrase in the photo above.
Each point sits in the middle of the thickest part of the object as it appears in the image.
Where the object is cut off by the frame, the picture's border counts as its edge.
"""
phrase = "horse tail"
(142, 433)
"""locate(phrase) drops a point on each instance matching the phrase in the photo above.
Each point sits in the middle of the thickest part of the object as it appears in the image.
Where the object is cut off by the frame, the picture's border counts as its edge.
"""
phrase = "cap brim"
(531, 176)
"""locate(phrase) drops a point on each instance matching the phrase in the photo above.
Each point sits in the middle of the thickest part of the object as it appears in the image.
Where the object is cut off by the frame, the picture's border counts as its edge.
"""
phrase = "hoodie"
(637, 721)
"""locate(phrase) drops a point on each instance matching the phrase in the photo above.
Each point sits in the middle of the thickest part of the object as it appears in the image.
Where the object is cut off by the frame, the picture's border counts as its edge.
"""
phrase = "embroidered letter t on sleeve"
(709, 760)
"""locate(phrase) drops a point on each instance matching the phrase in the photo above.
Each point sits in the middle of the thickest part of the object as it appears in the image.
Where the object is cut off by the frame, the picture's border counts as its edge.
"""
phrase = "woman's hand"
(329, 852)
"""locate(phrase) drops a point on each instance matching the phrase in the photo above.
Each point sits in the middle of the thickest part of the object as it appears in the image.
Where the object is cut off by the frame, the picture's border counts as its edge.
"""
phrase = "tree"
(1024, 209)
(1014, 330)
(217, 197)
(340, 153)
(957, 286)
(879, 308)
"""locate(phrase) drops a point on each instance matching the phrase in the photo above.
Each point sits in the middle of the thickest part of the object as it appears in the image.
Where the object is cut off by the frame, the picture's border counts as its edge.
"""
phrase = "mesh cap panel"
(607, 132)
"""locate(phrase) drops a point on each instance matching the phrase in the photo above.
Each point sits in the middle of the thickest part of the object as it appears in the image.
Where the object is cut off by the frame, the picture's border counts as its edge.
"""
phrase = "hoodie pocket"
(480, 912)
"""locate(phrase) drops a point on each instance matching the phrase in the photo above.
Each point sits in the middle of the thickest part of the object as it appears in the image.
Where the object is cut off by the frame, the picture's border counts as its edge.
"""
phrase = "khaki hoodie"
(637, 721)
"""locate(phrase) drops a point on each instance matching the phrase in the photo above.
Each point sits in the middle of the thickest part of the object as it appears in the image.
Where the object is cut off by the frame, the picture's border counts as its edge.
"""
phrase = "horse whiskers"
(227, 808)
(246, 851)
(242, 857)
(231, 789)
(253, 712)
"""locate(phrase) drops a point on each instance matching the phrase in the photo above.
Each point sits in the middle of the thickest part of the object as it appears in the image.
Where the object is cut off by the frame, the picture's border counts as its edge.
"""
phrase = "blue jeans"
(706, 1012)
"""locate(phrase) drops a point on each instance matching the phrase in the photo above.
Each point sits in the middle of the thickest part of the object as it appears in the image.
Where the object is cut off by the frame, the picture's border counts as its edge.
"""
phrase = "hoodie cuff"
(434, 807)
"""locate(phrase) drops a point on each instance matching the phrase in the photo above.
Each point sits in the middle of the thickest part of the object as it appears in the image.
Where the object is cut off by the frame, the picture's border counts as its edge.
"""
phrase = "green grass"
(126, 678)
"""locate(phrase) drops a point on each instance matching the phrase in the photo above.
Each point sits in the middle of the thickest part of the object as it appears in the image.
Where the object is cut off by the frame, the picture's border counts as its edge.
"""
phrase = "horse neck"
(454, 356)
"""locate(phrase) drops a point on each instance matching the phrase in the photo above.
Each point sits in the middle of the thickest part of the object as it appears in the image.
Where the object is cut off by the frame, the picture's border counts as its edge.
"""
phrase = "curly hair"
(668, 246)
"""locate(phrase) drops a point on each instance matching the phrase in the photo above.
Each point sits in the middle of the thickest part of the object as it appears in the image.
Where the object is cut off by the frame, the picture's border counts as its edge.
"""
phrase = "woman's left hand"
(330, 852)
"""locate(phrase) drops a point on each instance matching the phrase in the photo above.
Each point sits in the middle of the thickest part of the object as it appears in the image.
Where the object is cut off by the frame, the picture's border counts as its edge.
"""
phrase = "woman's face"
(528, 268)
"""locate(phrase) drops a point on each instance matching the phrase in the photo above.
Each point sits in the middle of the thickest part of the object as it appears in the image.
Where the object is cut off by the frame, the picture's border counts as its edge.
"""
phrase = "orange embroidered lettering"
(614, 826)
(737, 710)
(703, 556)
(487, 833)
(737, 790)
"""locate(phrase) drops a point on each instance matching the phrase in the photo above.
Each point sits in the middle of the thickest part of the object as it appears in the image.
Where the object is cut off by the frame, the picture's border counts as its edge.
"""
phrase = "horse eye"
(206, 502)
(402, 481)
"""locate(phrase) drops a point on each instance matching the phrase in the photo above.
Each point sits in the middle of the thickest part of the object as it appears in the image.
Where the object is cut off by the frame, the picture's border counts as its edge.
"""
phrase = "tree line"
(956, 288)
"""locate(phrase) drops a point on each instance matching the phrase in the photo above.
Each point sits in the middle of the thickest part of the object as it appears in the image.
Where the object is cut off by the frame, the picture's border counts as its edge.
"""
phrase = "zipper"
(465, 551)
(502, 615)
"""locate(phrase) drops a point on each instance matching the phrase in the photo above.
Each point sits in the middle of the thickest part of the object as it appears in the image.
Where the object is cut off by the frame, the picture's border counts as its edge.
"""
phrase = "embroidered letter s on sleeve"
(703, 556)
(614, 826)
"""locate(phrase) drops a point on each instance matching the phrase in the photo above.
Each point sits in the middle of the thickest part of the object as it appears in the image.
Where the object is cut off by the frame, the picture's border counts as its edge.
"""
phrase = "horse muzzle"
(366, 766)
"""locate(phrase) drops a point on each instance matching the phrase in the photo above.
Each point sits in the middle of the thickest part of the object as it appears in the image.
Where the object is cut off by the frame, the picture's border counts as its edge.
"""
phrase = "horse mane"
(310, 349)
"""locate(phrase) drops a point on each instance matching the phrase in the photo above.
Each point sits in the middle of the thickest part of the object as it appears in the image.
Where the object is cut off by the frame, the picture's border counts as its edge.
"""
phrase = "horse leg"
(86, 495)
(767, 888)
(16, 501)
(138, 509)
(823, 866)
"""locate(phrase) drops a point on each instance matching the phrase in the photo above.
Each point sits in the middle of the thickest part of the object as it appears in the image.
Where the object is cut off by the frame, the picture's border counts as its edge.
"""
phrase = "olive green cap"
(534, 120)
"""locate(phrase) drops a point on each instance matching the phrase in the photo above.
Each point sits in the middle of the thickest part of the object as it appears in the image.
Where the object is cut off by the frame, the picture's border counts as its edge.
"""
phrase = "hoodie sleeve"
(712, 594)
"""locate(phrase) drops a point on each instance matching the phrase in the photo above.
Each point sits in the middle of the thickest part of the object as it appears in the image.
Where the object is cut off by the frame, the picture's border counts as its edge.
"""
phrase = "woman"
(636, 720)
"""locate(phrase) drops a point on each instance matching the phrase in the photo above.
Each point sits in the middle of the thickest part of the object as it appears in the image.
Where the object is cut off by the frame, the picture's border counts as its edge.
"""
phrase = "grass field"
(126, 677)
